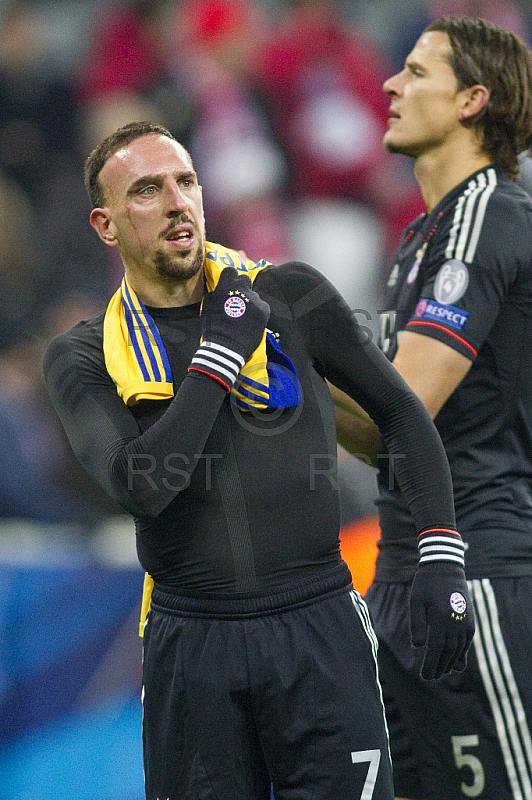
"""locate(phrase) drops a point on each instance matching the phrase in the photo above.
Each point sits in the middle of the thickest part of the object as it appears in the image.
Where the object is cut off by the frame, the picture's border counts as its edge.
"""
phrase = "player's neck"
(167, 294)
(437, 173)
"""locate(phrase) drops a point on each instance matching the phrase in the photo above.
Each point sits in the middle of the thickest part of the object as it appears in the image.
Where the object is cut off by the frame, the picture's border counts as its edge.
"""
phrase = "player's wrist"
(219, 361)
(436, 545)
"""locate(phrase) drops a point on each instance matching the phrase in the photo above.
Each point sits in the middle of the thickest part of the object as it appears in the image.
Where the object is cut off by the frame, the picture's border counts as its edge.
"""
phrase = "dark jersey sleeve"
(478, 260)
(131, 464)
(345, 353)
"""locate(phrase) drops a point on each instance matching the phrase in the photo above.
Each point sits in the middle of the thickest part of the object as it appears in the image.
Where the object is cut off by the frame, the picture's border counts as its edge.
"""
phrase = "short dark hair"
(498, 59)
(108, 147)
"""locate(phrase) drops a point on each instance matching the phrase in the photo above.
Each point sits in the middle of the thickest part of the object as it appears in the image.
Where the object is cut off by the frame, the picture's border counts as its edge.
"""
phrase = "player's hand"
(441, 612)
(233, 318)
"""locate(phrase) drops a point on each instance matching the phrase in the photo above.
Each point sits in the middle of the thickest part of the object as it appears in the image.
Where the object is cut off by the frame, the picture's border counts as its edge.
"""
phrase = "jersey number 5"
(462, 759)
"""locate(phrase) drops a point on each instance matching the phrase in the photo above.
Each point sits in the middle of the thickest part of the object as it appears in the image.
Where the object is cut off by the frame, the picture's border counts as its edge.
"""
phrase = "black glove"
(233, 318)
(441, 612)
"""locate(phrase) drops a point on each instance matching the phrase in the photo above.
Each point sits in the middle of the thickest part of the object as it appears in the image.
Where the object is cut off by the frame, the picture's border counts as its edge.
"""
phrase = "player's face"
(154, 209)
(425, 101)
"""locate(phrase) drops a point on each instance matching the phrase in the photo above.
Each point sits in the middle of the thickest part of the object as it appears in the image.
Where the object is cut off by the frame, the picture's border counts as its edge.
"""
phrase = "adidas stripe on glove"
(441, 612)
(233, 318)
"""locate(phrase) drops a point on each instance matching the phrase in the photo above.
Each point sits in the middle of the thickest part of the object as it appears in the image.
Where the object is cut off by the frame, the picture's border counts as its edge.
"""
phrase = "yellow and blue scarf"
(136, 359)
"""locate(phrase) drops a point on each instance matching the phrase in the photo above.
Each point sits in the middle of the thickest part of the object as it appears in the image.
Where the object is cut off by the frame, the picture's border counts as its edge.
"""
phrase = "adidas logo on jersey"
(394, 275)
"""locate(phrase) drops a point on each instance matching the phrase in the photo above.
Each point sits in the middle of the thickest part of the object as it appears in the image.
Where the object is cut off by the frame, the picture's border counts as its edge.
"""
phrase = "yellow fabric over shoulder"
(131, 346)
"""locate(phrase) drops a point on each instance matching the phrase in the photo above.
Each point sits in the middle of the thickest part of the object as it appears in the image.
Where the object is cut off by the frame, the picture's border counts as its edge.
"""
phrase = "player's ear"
(102, 224)
(475, 98)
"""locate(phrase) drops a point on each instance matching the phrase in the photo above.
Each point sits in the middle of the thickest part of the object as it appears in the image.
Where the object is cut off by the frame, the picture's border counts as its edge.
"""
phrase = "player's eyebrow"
(413, 65)
(157, 179)
(145, 180)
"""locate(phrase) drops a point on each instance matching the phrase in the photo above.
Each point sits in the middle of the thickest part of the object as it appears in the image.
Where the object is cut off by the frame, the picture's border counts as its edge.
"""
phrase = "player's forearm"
(358, 436)
(410, 440)
(148, 472)
(355, 430)
(138, 470)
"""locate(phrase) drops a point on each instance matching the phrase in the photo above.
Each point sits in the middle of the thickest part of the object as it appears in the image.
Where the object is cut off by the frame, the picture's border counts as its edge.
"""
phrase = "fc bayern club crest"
(235, 306)
(458, 604)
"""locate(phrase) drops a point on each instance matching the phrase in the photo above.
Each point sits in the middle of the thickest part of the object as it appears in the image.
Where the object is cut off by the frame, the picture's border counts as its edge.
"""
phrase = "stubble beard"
(179, 268)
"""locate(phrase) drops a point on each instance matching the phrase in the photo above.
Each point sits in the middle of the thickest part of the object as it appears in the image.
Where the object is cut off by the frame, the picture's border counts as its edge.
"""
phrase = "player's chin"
(183, 265)
(391, 145)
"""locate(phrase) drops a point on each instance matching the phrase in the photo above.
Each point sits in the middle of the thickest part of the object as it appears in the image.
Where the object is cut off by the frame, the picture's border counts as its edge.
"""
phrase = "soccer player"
(217, 434)
(457, 325)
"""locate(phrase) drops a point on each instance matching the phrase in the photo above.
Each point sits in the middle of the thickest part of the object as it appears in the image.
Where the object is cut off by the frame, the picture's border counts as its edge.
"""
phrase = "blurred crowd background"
(280, 103)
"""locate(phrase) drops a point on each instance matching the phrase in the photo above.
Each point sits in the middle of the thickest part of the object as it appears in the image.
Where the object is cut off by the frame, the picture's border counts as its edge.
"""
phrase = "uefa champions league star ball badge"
(458, 605)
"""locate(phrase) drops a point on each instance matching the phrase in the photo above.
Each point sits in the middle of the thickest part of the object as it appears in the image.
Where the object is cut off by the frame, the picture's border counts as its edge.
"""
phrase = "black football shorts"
(468, 734)
(274, 688)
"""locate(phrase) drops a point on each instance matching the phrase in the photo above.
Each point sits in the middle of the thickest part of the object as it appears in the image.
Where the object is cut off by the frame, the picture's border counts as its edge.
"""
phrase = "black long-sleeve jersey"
(226, 500)
(463, 275)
